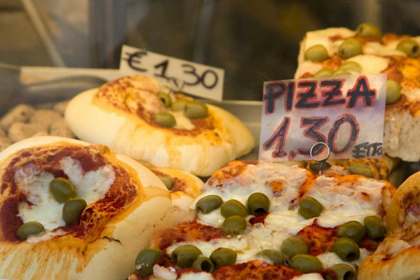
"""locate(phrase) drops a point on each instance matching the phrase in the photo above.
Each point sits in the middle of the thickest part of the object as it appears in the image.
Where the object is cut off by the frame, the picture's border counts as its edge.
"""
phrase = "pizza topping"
(316, 53)
(324, 73)
(209, 203)
(72, 210)
(374, 228)
(167, 180)
(145, 261)
(166, 99)
(29, 229)
(184, 256)
(350, 66)
(164, 119)
(293, 246)
(233, 207)
(258, 204)
(346, 249)
(353, 230)
(344, 272)
(349, 48)
(179, 105)
(410, 47)
(368, 30)
(203, 264)
(274, 256)
(234, 225)
(360, 168)
(309, 207)
(393, 91)
(223, 257)
(195, 110)
(305, 263)
(62, 189)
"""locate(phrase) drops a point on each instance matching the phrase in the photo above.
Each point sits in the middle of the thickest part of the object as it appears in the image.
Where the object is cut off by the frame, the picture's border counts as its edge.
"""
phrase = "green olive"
(167, 180)
(29, 229)
(353, 230)
(324, 73)
(309, 207)
(410, 47)
(344, 272)
(223, 257)
(349, 48)
(294, 245)
(350, 66)
(185, 256)
(62, 189)
(360, 168)
(164, 119)
(258, 203)
(72, 210)
(346, 249)
(196, 110)
(393, 91)
(209, 203)
(316, 53)
(276, 257)
(368, 30)
(233, 207)
(203, 264)
(234, 225)
(341, 73)
(166, 99)
(179, 105)
(374, 228)
(145, 261)
(305, 263)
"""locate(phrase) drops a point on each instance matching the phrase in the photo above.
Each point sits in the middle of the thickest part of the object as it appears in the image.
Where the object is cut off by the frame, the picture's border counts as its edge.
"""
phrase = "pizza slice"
(70, 210)
(139, 117)
(341, 51)
(399, 254)
(260, 220)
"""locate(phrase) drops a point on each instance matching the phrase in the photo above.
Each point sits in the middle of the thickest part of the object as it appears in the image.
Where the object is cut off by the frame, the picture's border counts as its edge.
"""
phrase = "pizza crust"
(202, 154)
(109, 257)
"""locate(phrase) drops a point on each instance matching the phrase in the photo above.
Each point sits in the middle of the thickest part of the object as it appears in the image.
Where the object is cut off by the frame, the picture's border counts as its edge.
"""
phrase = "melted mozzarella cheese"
(346, 201)
(182, 122)
(376, 48)
(91, 186)
(322, 37)
(330, 259)
(371, 64)
(34, 183)
(196, 276)
(161, 272)
(289, 221)
(309, 276)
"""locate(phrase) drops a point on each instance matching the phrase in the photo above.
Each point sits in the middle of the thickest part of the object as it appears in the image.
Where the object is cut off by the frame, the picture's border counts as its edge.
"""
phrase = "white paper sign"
(345, 112)
(197, 79)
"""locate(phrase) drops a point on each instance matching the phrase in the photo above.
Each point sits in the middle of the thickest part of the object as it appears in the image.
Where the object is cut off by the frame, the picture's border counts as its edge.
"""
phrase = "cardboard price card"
(193, 78)
(345, 112)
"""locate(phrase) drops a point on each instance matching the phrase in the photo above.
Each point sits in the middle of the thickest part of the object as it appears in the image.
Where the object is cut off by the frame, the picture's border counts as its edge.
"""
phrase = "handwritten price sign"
(197, 79)
(346, 112)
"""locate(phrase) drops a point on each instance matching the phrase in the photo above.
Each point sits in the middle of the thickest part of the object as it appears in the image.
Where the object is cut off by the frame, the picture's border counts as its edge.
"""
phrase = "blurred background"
(253, 40)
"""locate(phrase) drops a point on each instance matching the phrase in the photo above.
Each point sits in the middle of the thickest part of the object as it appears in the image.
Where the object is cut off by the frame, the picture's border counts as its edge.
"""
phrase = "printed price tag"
(346, 112)
(193, 78)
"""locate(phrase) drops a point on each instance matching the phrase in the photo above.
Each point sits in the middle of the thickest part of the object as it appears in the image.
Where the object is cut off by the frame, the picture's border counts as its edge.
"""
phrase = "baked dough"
(402, 119)
(113, 227)
(186, 187)
(119, 115)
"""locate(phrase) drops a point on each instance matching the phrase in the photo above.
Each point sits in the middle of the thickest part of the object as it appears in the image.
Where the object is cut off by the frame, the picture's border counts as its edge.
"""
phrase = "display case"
(208, 139)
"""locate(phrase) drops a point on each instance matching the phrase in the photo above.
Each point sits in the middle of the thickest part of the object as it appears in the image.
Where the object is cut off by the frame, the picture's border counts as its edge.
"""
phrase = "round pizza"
(257, 220)
(139, 117)
(398, 255)
(71, 210)
(341, 51)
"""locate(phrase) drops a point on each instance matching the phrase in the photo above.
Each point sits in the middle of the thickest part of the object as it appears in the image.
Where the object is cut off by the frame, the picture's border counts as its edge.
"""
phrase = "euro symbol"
(134, 58)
